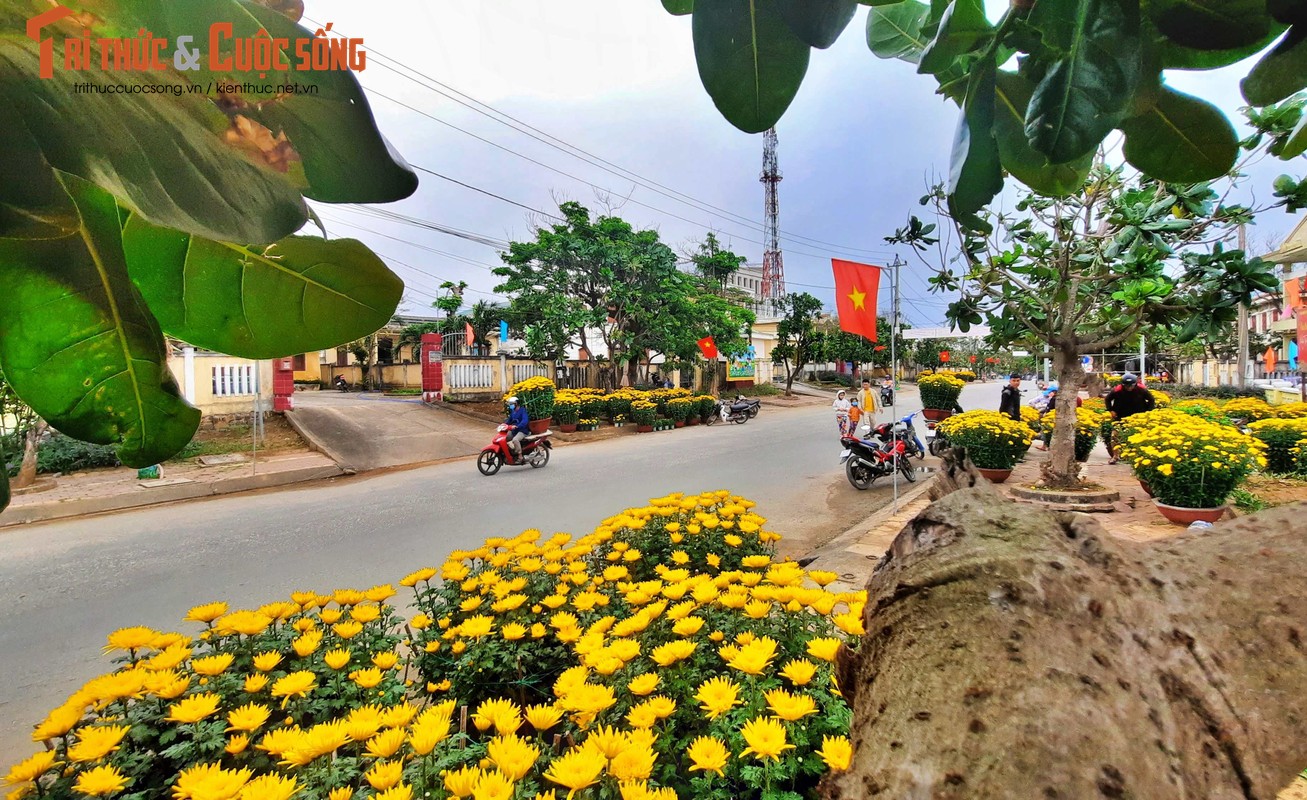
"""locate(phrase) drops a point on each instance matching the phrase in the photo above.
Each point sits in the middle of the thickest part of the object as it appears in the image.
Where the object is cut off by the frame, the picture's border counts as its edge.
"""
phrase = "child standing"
(855, 414)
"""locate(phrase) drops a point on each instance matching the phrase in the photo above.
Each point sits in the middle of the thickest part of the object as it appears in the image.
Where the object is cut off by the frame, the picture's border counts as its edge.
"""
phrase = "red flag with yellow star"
(855, 296)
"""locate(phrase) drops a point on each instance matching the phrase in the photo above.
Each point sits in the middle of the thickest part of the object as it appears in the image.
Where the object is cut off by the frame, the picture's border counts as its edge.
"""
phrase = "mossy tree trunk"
(1013, 652)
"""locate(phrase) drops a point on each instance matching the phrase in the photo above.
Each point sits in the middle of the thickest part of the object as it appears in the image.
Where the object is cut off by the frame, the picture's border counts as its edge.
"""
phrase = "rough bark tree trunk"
(1013, 652)
(31, 441)
(1062, 471)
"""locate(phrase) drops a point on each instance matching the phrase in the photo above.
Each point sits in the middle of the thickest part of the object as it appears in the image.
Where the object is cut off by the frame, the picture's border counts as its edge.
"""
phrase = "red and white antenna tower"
(773, 265)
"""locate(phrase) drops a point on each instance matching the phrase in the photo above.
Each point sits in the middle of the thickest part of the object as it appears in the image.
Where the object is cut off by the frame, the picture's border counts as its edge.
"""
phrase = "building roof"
(1294, 247)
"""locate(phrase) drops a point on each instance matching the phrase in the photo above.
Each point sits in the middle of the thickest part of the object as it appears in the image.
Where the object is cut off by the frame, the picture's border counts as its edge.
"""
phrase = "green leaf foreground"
(298, 295)
(749, 59)
(77, 341)
(1181, 139)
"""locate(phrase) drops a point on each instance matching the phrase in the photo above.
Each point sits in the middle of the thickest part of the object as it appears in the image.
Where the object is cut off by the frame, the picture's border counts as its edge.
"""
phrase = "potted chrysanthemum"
(1285, 440)
(678, 408)
(994, 442)
(567, 410)
(644, 413)
(1191, 465)
(537, 396)
(939, 394)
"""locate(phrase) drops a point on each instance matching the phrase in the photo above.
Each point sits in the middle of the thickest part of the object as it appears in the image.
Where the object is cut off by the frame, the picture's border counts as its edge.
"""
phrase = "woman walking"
(841, 407)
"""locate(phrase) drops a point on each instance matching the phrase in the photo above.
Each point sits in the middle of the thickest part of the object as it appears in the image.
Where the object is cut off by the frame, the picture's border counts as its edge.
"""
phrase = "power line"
(573, 151)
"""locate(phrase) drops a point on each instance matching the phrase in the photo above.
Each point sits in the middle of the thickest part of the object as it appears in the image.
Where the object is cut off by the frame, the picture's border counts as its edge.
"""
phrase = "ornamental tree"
(1085, 273)
(169, 206)
(838, 345)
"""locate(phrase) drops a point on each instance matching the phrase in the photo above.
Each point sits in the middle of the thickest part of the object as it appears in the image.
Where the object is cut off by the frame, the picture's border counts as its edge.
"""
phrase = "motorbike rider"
(519, 424)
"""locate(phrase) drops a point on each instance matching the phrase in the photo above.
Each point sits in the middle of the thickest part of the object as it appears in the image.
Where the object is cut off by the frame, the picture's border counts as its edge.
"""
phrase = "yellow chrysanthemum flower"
(543, 717)
(32, 767)
(576, 769)
(213, 665)
(205, 781)
(836, 751)
(716, 696)
(133, 638)
(384, 774)
(708, 755)
(765, 738)
(790, 707)
(193, 708)
(296, 684)
(100, 781)
(206, 613)
(249, 717)
(94, 743)
(512, 755)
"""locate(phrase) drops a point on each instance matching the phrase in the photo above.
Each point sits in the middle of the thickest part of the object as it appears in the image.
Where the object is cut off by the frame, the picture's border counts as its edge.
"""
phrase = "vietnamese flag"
(708, 347)
(856, 286)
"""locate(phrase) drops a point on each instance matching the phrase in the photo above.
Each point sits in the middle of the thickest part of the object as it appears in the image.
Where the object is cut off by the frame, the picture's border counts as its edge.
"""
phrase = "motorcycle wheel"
(739, 419)
(909, 471)
(712, 419)
(859, 475)
(489, 462)
(539, 458)
(753, 412)
(937, 447)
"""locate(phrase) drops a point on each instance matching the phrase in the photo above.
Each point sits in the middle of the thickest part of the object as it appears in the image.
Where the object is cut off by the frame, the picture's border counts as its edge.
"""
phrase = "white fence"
(233, 380)
(471, 376)
(523, 371)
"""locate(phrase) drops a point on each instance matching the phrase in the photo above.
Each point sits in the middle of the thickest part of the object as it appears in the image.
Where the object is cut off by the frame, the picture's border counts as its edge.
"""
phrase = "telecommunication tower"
(773, 265)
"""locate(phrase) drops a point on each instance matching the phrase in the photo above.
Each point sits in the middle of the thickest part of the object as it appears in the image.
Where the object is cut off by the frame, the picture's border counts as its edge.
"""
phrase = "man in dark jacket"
(1010, 404)
(1126, 400)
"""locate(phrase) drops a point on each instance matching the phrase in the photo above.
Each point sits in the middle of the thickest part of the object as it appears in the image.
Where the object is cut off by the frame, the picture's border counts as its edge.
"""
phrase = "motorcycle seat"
(740, 407)
(533, 436)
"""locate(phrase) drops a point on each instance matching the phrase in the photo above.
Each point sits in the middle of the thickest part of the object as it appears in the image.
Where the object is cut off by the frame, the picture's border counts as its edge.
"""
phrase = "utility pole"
(1242, 360)
(894, 362)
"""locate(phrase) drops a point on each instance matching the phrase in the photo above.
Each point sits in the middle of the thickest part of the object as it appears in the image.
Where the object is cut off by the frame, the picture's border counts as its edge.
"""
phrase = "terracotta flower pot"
(1179, 515)
(1144, 486)
(692, 421)
(567, 427)
(995, 475)
(540, 425)
(680, 423)
(936, 414)
(644, 429)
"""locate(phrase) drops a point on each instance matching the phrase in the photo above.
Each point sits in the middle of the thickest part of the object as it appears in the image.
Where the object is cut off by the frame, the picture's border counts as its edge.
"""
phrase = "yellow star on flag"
(858, 297)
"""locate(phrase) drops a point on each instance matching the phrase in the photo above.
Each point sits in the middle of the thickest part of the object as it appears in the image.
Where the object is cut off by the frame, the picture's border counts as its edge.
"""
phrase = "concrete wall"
(219, 384)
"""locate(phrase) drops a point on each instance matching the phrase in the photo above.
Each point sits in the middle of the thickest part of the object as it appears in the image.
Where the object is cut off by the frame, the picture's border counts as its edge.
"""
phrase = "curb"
(876, 521)
(315, 444)
(43, 512)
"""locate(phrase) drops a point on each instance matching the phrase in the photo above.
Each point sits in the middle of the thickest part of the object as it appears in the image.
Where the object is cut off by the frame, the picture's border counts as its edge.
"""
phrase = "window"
(297, 363)
(233, 380)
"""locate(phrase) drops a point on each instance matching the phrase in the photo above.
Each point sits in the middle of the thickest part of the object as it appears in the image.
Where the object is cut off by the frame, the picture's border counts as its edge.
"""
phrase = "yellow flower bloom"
(643, 684)
(493, 785)
(94, 743)
(102, 780)
(414, 578)
(237, 744)
(206, 613)
(246, 623)
(347, 630)
(708, 755)
(755, 656)
(209, 781)
(296, 684)
(193, 708)
(307, 643)
(270, 787)
(384, 774)
(32, 767)
(387, 743)
(255, 683)
(543, 717)
(512, 755)
(461, 782)
(401, 792)
(790, 707)
(823, 648)
(367, 678)
(633, 763)
(576, 769)
(717, 696)
(133, 638)
(836, 751)
(249, 717)
(337, 659)
(765, 738)
(799, 671)
(213, 665)
(668, 654)
(512, 631)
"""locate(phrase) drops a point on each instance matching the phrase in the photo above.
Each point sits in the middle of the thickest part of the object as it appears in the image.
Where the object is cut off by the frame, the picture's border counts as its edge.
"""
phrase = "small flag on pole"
(856, 287)
(503, 331)
(708, 347)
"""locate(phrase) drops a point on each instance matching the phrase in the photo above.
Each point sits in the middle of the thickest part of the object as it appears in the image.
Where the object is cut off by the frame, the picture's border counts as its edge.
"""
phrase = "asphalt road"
(67, 585)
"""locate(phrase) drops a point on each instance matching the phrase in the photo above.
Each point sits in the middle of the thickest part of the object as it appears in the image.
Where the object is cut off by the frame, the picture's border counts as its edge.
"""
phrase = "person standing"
(841, 407)
(1010, 402)
(855, 415)
(1126, 400)
(868, 400)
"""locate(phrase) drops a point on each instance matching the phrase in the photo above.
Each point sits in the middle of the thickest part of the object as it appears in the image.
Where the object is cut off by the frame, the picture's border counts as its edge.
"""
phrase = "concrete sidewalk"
(104, 490)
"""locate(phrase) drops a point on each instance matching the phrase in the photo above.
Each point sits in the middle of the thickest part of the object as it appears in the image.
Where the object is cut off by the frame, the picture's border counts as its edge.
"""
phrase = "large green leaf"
(1085, 94)
(1182, 139)
(78, 343)
(300, 294)
(1012, 96)
(164, 155)
(343, 156)
(749, 60)
(961, 27)
(977, 173)
(679, 7)
(895, 31)
(1211, 24)
(817, 22)
(1176, 56)
(1296, 144)
(1281, 72)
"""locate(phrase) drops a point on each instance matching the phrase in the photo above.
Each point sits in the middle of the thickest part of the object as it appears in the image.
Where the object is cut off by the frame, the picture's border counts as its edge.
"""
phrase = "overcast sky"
(617, 79)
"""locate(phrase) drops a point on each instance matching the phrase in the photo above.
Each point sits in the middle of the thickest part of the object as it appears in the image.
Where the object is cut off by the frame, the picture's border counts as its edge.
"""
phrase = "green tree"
(450, 303)
(189, 231)
(20, 429)
(484, 319)
(838, 345)
(1085, 273)
(1084, 68)
(796, 335)
(410, 336)
(715, 263)
(600, 277)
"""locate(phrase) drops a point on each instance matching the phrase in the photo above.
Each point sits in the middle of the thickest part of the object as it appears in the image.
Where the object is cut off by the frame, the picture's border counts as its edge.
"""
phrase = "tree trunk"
(1062, 471)
(789, 379)
(1014, 652)
(31, 441)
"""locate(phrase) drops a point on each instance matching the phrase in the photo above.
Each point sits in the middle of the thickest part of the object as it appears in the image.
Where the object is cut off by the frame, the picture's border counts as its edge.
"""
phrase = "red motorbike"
(535, 452)
(864, 461)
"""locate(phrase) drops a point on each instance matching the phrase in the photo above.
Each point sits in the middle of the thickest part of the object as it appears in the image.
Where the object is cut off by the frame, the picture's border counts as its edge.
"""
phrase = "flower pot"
(644, 429)
(1144, 486)
(540, 425)
(936, 414)
(692, 421)
(566, 427)
(1179, 515)
(680, 423)
(995, 475)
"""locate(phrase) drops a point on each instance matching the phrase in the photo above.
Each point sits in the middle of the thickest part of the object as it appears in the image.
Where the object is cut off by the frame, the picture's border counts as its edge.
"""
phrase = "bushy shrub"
(644, 412)
(1286, 443)
(61, 453)
(567, 408)
(665, 655)
(1182, 390)
(1249, 409)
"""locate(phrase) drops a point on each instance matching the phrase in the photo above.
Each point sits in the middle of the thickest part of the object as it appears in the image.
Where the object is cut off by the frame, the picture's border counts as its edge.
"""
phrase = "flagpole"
(894, 366)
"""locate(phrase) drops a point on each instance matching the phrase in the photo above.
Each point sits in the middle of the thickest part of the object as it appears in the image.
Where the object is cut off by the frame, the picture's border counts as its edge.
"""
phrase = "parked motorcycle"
(341, 383)
(904, 430)
(864, 461)
(937, 443)
(753, 405)
(731, 411)
(535, 452)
